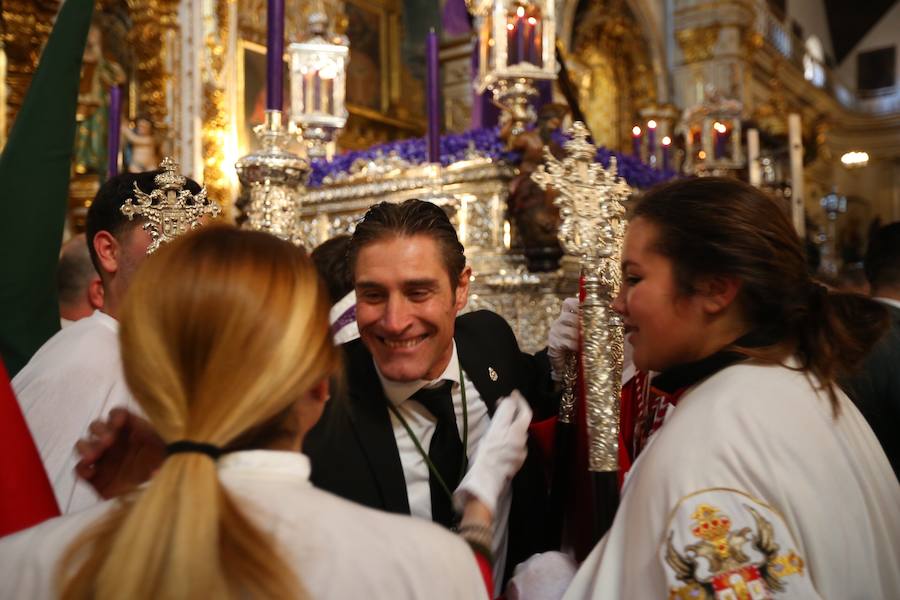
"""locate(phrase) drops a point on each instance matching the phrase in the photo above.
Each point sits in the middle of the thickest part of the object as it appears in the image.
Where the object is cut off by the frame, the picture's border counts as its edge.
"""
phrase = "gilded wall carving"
(138, 39)
(154, 36)
(699, 43)
(612, 67)
(26, 25)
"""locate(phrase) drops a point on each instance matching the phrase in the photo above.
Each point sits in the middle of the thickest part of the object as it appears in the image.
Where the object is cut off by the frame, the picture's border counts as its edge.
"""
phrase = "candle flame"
(720, 127)
(701, 155)
(855, 159)
(651, 124)
(520, 12)
(532, 21)
(510, 26)
(635, 131)
(666, 141)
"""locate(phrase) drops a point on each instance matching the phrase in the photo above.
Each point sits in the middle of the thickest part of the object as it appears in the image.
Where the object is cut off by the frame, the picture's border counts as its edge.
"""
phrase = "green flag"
(34, 183)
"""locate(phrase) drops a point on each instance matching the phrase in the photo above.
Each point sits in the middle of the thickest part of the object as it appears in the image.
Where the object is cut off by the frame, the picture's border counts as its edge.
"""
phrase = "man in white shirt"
(76, 376)
(377, 445)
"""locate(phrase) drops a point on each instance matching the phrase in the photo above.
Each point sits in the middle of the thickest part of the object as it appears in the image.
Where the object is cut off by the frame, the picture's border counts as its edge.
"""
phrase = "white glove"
(500, 455)
(563, 337)
(544, 576)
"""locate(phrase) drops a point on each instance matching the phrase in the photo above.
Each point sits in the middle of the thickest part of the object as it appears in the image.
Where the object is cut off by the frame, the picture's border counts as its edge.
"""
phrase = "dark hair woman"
(754, 473)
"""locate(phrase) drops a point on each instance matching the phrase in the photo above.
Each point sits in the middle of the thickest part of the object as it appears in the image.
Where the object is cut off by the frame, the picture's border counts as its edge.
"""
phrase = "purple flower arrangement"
(457, 147)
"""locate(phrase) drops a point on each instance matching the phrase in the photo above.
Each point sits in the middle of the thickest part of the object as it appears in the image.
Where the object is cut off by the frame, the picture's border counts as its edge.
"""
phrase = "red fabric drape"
(26, 497)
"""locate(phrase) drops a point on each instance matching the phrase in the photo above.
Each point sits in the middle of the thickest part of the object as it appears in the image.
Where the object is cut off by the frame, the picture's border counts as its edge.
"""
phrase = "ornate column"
(188, 127)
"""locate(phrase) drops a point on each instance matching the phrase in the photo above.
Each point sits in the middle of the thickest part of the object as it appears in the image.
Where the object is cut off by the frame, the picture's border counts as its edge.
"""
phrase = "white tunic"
(749, 475)
(74, 378)
(338, 549)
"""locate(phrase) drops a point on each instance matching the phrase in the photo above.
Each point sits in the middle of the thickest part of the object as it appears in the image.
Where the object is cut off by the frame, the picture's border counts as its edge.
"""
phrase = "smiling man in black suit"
(424, 383)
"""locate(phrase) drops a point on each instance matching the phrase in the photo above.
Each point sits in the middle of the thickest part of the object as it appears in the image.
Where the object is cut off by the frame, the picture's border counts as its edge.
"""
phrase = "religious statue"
(98, 74)
(140, 154)
(530, 208)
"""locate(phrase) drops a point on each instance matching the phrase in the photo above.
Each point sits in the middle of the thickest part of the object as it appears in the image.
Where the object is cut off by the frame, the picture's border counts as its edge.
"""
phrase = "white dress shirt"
(73, 379)
(336, 548)
(422, 424)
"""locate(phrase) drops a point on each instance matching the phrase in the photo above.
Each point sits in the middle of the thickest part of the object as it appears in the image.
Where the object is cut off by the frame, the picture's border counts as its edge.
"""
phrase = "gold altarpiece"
(610, 64)
(183, 67)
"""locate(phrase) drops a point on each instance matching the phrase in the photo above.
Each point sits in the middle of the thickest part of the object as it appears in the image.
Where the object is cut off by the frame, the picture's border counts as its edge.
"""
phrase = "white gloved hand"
(544, 576)
(563, 337)
(501, 453)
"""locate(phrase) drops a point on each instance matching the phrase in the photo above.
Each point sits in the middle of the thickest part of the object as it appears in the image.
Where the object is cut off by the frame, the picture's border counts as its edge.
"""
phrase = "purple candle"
(530, 51)
(520, 34)
(538, 45)
(719, 140)
(636, 141)
(274, 55)
(511, 46)
(328, 94)
(666, 142)
(317, 91)
(433, 98)
(651, 137)
(113, 123)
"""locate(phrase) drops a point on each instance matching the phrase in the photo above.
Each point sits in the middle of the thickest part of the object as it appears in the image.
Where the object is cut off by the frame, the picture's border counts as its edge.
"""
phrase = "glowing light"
(507, 236)
(855, 159)
(720, 127)
(701, 155)
(635, 131)
(520, 12)
(666, 140)
(510, 26)
(532, 21)
(651, 124)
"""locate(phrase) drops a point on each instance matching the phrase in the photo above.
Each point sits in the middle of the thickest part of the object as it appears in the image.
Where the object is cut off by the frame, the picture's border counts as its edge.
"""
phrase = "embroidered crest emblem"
(492, 374)
(729, 571)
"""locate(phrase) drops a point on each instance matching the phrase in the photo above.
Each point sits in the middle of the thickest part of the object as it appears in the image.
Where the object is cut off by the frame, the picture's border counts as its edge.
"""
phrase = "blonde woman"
(226, 346)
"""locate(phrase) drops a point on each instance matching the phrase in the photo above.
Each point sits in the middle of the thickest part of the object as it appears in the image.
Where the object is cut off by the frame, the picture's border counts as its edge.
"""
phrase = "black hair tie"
(181, 446)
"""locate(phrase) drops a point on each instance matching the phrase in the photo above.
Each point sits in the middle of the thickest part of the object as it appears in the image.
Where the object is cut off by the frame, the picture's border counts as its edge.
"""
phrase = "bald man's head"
(78, 284)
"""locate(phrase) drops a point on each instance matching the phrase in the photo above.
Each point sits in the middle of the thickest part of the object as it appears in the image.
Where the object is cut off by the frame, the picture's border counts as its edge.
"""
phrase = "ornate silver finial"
(591, 207)
(170, 210)
(274, 177)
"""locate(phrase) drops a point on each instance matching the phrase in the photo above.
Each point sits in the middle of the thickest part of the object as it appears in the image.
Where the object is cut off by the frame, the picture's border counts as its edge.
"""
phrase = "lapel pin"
(492, 374)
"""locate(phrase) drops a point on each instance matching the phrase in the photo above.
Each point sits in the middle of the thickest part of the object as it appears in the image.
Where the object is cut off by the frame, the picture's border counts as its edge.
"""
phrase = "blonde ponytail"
(236, 338)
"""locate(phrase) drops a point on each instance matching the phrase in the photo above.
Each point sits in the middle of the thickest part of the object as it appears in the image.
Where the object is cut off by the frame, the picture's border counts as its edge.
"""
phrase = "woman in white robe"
(755, 477)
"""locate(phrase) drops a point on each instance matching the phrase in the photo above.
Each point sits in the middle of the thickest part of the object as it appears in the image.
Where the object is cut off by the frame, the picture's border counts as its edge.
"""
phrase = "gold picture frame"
(251, 92)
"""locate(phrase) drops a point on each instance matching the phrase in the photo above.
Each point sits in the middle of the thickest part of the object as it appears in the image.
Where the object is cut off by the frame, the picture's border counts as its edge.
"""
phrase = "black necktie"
(445, 450)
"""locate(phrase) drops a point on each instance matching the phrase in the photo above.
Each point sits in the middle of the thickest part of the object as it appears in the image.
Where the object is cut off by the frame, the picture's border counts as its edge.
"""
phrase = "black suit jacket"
(875, 389)
(354, 453)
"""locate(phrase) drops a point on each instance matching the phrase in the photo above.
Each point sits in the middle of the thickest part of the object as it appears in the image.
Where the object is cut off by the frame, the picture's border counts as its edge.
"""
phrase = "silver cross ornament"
(169, 209)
